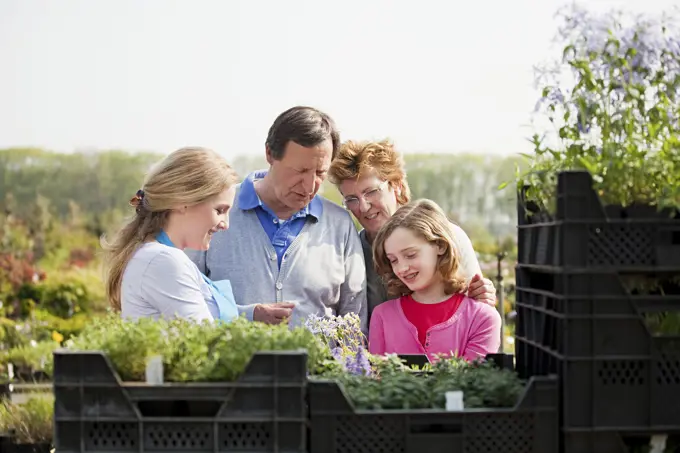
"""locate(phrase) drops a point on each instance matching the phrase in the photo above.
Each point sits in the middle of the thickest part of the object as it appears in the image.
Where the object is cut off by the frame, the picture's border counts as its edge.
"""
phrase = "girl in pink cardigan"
(416, 255)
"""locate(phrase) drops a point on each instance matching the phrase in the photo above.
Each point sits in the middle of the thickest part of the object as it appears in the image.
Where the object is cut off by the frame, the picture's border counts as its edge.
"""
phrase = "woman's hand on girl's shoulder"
(482, 290)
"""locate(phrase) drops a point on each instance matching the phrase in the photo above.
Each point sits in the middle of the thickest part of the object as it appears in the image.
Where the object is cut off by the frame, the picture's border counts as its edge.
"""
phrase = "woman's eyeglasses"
(369, 196)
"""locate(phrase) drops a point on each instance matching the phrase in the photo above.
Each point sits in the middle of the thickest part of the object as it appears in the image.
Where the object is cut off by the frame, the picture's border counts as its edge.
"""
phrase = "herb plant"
(385, 382)
(396, 388)
(203, 352)
(32, 357)
(192, 351)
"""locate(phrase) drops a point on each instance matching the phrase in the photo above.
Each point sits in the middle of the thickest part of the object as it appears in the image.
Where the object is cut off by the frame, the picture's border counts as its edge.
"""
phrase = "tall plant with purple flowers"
(613, 105)
(345, 339)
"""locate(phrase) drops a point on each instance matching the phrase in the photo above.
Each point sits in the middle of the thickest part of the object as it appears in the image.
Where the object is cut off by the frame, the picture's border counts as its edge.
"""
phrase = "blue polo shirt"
(281, 233)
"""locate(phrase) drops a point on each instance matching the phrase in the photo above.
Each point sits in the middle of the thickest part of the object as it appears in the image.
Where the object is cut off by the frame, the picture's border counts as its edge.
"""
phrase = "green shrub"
(191, 351)
(65, 294)
(30, 422)
(33, 357)
(396, 387)
(40, 326)
(611, 100)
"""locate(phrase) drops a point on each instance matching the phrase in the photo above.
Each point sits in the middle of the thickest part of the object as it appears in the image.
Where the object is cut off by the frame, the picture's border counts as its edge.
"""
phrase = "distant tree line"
(96, 186)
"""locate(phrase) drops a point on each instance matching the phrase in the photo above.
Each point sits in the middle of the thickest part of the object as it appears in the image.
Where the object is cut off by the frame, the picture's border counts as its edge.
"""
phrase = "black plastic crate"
(584, 233)
(620, 394)
(264, 411)
(530, 427)
(593, 315)
(618, 371)
(614, 442)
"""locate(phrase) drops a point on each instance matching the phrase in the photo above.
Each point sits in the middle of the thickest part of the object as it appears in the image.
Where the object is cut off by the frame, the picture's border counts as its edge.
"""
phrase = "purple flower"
(337, 353)
(553, 96)
(312, 324)
(329, 329)
(582, 123)
(359, 363)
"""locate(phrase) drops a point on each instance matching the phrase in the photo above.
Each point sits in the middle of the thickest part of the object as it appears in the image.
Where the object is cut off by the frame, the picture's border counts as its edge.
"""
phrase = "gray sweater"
(322, 271)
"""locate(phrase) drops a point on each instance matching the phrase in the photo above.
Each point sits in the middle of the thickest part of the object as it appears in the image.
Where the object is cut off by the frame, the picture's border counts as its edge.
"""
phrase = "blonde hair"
(426, 219)
(355, 159)
(188, 176)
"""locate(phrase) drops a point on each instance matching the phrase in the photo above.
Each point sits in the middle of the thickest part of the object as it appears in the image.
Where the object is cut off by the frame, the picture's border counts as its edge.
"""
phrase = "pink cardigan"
(472, 332)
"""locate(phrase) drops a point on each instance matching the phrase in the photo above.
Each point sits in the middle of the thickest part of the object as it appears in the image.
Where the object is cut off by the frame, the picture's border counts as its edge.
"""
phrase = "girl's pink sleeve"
(485, 334)
(376, 333)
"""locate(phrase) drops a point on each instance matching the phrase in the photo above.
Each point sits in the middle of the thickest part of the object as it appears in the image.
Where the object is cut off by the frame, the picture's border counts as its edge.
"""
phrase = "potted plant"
(610, 153)
(598, 210)
(360, 402)
(27, 427)
(31, 362)
(154, 385)
(612, 105)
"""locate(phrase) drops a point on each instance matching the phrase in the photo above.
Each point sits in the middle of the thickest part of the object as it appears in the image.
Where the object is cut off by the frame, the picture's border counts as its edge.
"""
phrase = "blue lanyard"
(225, 302)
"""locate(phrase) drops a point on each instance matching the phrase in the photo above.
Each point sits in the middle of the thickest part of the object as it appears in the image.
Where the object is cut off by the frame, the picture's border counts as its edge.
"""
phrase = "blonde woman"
(184, 200)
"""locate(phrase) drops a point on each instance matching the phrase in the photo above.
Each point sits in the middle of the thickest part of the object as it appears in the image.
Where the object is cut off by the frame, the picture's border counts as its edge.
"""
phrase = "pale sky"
(156, 75)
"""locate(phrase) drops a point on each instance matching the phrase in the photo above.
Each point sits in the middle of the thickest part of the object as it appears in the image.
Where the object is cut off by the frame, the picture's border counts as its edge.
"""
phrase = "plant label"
(154, 370)
(454, 401)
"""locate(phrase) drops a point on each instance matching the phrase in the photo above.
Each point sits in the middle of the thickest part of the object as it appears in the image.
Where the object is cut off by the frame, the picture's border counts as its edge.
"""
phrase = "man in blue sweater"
(289, 252)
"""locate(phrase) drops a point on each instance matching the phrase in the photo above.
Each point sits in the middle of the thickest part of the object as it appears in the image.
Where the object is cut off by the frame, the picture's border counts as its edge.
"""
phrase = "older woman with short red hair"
(372, 180)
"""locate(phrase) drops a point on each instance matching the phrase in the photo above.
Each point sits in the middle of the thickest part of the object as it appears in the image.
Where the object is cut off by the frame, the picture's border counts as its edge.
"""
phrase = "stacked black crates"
(598, 303)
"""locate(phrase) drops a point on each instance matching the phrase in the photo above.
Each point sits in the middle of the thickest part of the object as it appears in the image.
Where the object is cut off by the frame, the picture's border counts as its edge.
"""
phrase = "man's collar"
(249, 199)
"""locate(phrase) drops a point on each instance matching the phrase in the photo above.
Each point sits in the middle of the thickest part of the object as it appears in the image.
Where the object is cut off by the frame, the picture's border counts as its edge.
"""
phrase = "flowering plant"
(613, 102)
(345, 339)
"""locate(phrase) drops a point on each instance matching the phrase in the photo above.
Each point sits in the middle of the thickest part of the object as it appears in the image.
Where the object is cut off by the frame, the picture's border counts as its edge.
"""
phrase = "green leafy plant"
(385, 382)
(204, 352)
(191, 351)
(30, 422)
(393, 386)
(40, 326)
(659, 323)
(613, 104)
(30, 358)
(46, 325)
(393, 391)
(128, 344)
(482, 384)
(69, 293)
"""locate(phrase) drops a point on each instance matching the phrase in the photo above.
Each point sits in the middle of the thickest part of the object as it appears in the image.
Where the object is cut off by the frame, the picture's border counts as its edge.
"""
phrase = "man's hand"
(482, 290)
(273, 313)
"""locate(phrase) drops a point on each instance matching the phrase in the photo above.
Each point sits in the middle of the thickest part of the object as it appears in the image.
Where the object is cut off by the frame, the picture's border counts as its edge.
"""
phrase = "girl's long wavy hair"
(426, 219)
(186, 177)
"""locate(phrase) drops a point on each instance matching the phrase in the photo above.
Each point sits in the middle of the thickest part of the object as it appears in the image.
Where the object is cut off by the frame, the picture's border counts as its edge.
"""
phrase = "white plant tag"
(154, 370)
(657, 443)
(454, 401)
